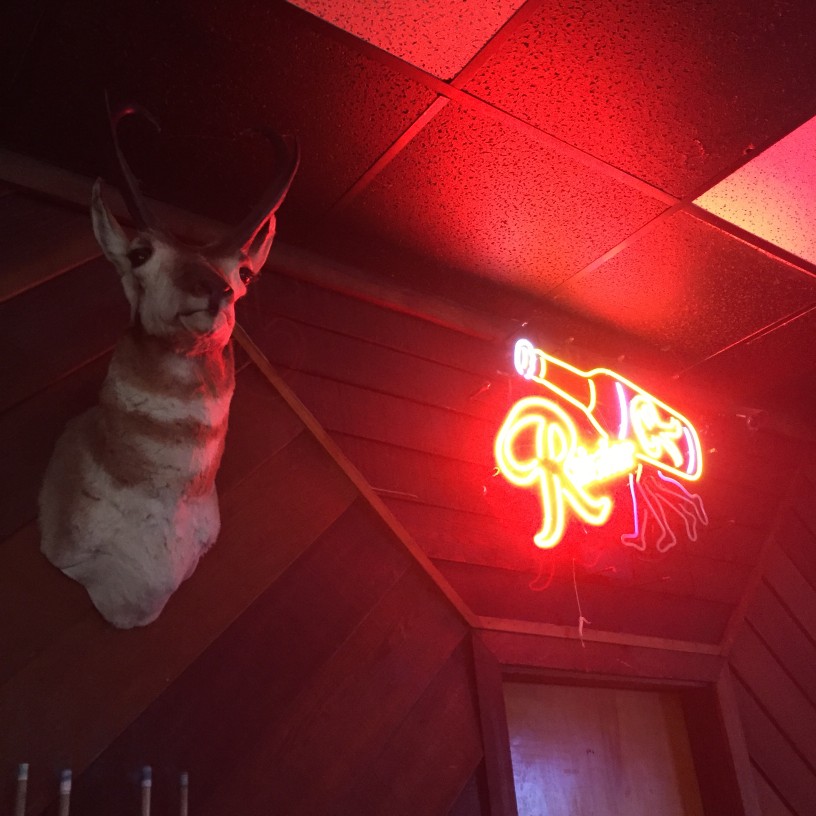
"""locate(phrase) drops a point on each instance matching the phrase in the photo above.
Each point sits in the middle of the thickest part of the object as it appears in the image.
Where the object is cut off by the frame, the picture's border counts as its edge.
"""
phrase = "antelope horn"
(288, 152)
(136, 205)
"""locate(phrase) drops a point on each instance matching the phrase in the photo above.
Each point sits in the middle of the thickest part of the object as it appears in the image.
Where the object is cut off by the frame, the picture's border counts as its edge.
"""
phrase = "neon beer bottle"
(618, 410)
(586, 429)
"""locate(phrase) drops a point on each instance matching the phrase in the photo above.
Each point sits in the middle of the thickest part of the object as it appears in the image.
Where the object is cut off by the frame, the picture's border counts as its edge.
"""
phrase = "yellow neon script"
(539, 444)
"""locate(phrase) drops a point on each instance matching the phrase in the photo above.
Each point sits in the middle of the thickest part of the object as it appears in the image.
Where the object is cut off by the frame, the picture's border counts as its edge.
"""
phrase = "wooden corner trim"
(596, 636)
(352, 473)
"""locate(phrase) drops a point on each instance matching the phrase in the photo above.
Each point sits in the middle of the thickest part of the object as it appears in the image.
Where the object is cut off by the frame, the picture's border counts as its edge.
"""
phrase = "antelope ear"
(257, 250)
(114, 244)
(110, 236)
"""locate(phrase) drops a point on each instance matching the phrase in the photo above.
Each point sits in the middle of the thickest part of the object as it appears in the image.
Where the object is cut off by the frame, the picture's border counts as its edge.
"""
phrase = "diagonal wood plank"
(771, 753)
(215, 717)
(430, 756)
(319, 432)
(107, 677)
(79, 316)
(27, 436)
(40, 240)
(790, 709)
(792, 646)
(348, 708)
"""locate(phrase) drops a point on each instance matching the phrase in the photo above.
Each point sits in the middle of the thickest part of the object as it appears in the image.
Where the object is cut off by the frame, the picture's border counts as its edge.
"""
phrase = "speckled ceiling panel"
(489, 199)
(439, 36)
(689, 287)
(213, 72)
(674, 93)
(774, 195)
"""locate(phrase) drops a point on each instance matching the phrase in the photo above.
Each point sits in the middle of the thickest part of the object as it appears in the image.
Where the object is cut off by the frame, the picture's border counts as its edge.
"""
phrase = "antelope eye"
(245, 273)
(139, 255)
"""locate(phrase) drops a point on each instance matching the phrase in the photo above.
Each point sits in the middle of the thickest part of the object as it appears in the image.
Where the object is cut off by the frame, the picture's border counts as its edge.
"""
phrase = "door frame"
(698, 673)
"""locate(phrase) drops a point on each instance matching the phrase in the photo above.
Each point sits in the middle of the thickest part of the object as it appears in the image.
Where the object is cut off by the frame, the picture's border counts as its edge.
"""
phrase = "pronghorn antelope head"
(129, 501)
(182, 294)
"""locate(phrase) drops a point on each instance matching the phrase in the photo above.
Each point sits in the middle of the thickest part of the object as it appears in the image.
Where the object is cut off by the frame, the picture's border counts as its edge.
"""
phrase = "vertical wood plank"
(736, 744)
(501, 788)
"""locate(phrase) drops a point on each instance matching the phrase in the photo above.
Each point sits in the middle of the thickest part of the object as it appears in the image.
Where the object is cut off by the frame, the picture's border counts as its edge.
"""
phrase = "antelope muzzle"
(203, 283)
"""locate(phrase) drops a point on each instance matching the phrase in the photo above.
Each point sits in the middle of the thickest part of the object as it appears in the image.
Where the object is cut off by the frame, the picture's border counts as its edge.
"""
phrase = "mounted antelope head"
(180, 293)
(129, 504)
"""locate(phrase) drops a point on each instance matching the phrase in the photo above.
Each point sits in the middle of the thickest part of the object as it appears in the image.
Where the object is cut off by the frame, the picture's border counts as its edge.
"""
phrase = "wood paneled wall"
(773, 662)
(311, 665)
(414, 403)
(416, 406)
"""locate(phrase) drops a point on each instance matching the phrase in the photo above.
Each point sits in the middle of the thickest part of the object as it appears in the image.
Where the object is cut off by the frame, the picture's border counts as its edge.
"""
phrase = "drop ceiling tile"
(439, 36)
(774, 195)
(215, 73)
(478, 196)
(673, 93)
(688, 286)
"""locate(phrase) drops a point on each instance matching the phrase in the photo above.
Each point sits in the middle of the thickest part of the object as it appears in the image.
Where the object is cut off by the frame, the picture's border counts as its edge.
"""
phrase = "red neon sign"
(602, 427)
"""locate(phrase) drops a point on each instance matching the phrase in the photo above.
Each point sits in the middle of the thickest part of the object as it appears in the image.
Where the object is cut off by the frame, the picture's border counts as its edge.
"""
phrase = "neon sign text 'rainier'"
(592, 428)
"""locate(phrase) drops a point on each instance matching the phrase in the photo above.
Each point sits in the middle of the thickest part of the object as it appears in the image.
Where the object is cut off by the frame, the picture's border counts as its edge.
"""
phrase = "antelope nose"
(220, 295)
(211, 286)
(201, 281)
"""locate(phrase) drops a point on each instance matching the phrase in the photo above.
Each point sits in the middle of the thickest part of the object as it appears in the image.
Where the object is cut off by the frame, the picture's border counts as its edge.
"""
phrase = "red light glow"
(440, 36)
(614, 430)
